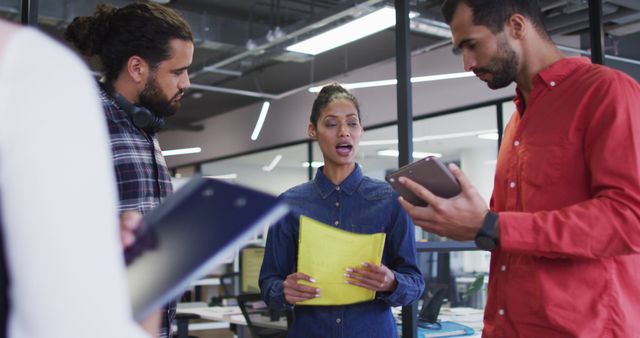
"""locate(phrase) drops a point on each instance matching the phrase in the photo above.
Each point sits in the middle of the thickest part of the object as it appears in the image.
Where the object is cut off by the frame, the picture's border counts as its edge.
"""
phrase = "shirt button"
(503, 268)
(516, 143)
(501, 312)
(336, 222)
(338, 320)
(338, 188)
(337, 204)
(552, 83)
(512, 184)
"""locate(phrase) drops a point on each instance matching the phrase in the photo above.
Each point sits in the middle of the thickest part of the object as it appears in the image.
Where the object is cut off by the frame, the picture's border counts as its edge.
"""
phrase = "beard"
(156, 101)
(503, 67)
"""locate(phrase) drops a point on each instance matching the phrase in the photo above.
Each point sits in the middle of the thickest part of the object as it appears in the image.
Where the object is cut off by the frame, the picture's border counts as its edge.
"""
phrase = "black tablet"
(429, 172)
(189, 233)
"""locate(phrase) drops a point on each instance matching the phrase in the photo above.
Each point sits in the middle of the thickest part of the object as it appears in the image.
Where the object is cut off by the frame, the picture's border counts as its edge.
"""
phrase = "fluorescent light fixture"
(231, 176)
(452, 135)
(261, 118)
(431, 27)
(416, 154)
(393, 82)
(438, 77)
(371, 23)
(273, 163)
(430, 137)
(489, 136)
(378, 142)
(183, 151)
(314, 164)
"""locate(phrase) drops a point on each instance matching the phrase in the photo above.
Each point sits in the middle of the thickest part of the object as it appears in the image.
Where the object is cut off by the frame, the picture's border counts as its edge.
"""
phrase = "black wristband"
(486, 238)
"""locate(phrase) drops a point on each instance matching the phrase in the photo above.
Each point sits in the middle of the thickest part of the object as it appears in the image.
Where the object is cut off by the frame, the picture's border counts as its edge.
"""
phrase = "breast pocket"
(373, 213)
(542, 165)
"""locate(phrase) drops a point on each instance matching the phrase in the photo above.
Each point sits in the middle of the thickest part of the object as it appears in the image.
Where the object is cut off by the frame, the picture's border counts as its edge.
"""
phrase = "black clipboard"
(188, 234)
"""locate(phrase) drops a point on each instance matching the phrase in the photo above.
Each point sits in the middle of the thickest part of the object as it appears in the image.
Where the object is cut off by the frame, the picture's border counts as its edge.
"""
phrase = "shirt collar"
(349, 185)
(106, 97)
(552, 76)
(557, 72)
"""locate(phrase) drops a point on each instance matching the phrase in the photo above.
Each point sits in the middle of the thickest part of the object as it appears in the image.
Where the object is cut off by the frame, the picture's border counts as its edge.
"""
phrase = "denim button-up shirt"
(359, 204)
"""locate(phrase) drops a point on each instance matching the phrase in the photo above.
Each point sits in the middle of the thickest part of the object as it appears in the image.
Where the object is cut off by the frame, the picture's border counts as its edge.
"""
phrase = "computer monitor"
(250, 263)
(432, 301)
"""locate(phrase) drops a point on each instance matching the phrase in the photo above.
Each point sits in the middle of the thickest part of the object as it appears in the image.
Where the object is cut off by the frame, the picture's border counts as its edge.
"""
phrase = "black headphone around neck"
(142, 117)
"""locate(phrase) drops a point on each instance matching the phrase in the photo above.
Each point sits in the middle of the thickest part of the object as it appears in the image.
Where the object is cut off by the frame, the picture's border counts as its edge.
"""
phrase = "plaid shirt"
(141, 172)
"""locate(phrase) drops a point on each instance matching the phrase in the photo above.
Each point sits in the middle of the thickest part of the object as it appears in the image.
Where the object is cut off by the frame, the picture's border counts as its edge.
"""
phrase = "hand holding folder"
(325, 252)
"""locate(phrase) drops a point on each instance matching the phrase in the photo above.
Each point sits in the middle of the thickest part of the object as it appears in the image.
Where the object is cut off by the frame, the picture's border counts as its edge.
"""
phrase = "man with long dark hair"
(145, 50)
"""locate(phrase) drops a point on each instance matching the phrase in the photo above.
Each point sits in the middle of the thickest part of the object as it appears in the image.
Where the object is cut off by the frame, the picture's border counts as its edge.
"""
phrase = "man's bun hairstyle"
(87, 33)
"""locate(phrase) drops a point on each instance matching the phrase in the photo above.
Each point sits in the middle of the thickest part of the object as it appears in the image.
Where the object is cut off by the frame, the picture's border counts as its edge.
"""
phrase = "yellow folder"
(325, 252)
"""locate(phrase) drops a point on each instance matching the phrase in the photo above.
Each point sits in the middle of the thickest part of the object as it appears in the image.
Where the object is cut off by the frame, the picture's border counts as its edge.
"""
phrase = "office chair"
(245, 302)
(182, 321)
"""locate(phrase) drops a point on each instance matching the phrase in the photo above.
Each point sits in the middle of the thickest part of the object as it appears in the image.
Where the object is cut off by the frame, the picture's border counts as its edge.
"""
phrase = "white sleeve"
(67, 276)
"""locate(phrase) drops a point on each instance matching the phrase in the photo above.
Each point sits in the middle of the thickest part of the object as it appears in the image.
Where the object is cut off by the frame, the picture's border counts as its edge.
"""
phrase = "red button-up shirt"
(567, 190)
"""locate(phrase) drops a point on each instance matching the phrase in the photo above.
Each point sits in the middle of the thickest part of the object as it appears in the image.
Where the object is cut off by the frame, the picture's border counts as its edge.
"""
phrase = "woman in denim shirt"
(342, 196)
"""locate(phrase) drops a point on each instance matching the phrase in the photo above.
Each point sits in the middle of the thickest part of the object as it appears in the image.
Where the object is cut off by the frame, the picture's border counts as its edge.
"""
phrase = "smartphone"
(429, 172)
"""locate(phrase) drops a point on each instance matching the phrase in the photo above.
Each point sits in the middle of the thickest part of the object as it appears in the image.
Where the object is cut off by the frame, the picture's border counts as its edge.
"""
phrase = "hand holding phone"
(429, 172)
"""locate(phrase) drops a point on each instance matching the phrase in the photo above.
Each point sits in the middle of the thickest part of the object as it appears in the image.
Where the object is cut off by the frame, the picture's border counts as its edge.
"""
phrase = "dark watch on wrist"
(486, 238)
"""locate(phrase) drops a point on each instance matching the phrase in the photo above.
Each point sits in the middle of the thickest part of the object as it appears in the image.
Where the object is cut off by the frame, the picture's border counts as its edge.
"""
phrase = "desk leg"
(410, 321)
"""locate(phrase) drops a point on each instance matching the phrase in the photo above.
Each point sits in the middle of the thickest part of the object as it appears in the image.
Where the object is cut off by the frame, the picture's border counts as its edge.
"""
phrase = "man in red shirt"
(564, 222)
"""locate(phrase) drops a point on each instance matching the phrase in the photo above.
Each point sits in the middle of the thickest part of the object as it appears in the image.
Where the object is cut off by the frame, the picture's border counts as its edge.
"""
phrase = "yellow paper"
(325, 252)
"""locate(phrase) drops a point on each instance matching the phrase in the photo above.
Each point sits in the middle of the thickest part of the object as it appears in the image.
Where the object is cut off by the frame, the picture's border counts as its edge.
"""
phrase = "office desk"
(464, 315)
(232, 315)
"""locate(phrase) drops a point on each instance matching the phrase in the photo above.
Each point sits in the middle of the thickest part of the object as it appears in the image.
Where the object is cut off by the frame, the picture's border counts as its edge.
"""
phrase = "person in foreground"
(340, 195)
(564, 222)
(145, 50)
(61, 269)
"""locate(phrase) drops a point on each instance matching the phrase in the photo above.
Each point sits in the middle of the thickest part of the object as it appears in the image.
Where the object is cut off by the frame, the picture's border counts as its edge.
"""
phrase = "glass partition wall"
(467, 137)
(273, 171)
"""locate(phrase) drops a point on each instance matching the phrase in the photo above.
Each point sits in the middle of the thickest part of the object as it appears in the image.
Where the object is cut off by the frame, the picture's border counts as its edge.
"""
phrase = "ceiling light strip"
(430, 27)
(328, 20)
(260, 122)
(233, 91)
(438, 77)
(366, 25)
(429, 137)
(314, 164)
(453, 135)
(273, 163)
(231, 176)
(416, 154)
(183, 151)
(391, 82)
